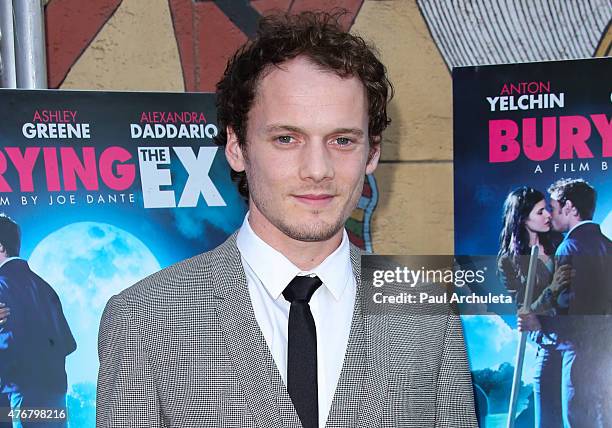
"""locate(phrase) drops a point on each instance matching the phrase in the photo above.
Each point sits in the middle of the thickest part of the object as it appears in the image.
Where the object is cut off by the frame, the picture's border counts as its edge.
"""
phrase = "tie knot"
(301, 288)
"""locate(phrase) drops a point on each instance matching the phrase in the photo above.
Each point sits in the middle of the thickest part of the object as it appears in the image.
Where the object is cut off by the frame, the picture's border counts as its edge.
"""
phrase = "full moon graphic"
(86, 263)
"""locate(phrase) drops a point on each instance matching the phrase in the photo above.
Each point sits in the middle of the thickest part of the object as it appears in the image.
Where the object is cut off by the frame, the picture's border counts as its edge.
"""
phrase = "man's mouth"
(316, 199)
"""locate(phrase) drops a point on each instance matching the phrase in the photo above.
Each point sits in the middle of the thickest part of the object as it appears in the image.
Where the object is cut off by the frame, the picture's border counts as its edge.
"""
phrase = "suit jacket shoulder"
(586, 239)
(182, 348)
(199, 275)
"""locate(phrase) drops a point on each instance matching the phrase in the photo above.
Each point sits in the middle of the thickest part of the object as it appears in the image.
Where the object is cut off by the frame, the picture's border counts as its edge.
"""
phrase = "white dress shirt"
(268, 272)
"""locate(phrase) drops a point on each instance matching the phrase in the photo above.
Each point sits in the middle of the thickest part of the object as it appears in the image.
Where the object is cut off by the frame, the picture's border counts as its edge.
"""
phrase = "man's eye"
(284, 139)
(343, 141)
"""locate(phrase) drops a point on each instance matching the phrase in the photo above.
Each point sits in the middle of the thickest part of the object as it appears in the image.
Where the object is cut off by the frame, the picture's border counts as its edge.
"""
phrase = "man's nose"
(316, 162)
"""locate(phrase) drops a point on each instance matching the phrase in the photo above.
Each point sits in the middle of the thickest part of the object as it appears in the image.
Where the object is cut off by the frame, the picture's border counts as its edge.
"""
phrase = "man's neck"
(574, 221)
(574, 225)
(305, 255)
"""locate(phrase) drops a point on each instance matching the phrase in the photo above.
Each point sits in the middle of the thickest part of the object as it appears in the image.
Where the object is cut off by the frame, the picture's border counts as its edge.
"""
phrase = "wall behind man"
(178, 45)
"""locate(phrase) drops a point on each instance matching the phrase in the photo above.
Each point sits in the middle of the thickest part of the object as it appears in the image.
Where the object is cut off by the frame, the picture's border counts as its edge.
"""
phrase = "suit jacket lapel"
(376, 370)
(348, 395)
(264, 391)
(362, 387)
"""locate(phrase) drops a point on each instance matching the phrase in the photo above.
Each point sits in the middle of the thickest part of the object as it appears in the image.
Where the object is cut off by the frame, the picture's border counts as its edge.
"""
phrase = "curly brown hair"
(316, 35)
(577, 190)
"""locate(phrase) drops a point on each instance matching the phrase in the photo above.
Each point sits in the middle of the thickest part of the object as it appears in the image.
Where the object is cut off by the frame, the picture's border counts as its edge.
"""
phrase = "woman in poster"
(526, 222)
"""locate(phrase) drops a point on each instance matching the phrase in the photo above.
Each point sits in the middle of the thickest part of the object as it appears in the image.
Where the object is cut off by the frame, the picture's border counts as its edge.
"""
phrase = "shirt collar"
(275, 271)
(579, 224)
(8, 260)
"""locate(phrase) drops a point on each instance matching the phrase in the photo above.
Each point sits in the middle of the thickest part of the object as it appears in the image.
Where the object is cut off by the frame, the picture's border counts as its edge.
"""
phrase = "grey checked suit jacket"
(182, 348)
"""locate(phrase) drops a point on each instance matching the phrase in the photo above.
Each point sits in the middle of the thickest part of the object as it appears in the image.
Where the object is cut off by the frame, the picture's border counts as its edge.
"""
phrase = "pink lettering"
(51, 169)
(549, 135)
(4, 186)
(574, 131)
(503, 146)
(24, 164)
(86, 171)
(125, 173)
(604, 127)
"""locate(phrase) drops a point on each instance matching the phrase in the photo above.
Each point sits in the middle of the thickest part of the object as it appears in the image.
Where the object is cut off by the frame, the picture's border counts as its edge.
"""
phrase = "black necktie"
(302, 354)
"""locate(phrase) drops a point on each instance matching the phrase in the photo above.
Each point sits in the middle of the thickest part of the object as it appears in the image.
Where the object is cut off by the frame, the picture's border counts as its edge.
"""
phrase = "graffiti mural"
(407, 208)
(207, 33)
(182, 45)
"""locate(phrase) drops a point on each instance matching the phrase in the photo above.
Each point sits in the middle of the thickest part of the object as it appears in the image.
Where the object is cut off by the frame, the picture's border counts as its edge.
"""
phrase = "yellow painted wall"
(414, 214)
(137, 50)
(122, 57)
(415, 210)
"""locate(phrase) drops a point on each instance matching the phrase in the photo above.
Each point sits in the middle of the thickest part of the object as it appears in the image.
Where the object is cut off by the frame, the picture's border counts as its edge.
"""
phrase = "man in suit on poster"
(268, 330)
(585, 336)
(34, 338)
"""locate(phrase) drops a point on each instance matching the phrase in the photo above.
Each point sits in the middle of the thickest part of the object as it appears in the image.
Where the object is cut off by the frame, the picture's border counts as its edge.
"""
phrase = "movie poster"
(107, 188)
(523, 125)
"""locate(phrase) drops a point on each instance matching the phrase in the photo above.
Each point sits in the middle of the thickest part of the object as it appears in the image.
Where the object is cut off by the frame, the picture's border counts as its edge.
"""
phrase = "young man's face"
(307, 150)
(559, 216)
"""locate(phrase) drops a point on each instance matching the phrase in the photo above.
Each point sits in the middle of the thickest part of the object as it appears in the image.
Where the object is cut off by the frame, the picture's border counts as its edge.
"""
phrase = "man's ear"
(233, 151)
(373, 155)
(569, 208)
(572, 210)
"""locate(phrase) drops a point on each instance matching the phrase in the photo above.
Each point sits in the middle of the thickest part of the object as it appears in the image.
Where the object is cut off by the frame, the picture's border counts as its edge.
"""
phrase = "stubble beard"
(314, 231)
(310, 233)
(559, 227)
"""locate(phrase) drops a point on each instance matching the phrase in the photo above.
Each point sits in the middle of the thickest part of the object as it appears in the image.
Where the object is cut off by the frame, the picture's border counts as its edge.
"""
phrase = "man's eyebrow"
(355, 131)
(279, 128)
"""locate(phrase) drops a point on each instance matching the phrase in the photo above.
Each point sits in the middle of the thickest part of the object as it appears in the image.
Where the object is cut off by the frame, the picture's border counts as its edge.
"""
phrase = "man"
(585, 333)
(268, 329)
(34, 339)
